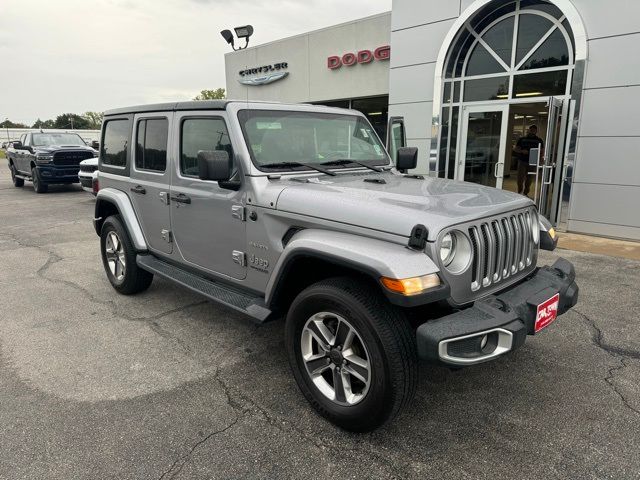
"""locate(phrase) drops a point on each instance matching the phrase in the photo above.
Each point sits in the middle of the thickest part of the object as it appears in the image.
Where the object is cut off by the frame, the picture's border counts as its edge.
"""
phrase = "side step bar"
(218, 292)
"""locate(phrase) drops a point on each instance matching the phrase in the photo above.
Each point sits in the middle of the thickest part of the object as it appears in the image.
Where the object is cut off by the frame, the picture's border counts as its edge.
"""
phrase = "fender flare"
(124, 206)
(375, 258)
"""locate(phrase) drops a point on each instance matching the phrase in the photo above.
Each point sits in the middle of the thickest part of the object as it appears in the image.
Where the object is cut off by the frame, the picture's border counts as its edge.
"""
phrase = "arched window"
(518, 49)
(508, 51)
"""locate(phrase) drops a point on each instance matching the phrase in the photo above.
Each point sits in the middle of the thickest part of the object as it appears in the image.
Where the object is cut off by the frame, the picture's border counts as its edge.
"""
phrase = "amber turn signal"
(411, 286)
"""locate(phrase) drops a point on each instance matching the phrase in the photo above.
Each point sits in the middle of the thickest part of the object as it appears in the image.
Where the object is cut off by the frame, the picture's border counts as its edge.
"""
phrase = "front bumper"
(86, 180)
(58, 174)
(497, 323)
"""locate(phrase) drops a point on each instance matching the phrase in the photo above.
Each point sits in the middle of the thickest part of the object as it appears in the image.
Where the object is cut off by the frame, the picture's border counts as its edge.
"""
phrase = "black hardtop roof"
(172, 106)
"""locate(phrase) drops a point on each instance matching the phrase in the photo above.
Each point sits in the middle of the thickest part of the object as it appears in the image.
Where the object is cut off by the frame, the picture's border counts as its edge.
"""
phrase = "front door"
(151, 178)
(207, 220)
(482, 144)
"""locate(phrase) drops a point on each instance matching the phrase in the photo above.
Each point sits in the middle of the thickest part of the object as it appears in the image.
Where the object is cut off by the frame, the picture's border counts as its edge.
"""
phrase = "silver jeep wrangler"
(299, 210)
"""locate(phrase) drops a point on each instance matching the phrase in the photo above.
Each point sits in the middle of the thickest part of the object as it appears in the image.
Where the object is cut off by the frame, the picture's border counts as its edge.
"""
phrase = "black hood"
(66, 148)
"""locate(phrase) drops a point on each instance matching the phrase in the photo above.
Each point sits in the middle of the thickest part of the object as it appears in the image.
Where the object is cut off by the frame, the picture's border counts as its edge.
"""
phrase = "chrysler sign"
(362, 56)
(264, 74)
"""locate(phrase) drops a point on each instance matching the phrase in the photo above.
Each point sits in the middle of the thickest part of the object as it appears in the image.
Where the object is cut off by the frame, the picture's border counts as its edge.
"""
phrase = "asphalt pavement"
(166, 385)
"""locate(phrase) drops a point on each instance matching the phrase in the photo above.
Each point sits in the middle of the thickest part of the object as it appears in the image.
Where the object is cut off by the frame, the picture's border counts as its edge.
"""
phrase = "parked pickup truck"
(298, 210)
(46, 158)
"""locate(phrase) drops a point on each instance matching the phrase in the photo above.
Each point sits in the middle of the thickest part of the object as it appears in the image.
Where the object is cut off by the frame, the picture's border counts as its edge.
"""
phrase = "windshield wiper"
(298, 164)
(346, 161)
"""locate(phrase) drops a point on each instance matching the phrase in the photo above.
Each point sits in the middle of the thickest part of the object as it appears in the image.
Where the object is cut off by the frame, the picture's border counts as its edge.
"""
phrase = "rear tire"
(119, 258)
(382, 352)
(38, 185)
(17, 182)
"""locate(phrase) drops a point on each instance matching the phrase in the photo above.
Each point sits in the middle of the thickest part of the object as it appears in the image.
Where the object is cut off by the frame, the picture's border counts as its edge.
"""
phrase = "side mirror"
(17, 145)
(406, 159)
(216, 165)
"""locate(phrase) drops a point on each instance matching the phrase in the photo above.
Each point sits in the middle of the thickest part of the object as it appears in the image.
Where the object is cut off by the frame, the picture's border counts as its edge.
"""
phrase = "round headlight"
(535, 227)
(455, 252)
(447, 249)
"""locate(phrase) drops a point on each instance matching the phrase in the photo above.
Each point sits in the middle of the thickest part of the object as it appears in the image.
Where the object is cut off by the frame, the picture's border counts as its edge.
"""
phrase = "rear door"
(21, 155)
(150, 178)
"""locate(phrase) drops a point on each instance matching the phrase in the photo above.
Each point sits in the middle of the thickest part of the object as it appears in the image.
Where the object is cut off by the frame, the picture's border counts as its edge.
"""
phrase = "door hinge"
(238, 212)
(164, 197)
(166, 235)
(239, 257)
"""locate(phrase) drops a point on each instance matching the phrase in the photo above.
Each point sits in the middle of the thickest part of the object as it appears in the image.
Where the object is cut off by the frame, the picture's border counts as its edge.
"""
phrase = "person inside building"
(522, 148)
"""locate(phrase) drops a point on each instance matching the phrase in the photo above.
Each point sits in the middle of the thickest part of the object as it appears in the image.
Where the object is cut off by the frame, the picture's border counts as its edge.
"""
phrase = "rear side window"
(116, 143)
(201, 134)
(151, 144)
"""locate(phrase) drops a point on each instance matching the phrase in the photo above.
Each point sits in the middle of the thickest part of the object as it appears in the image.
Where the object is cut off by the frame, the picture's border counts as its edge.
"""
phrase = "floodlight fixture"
(241, 32)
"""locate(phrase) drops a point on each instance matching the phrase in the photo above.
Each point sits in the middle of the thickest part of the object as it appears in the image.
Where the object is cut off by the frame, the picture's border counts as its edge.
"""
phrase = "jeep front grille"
(502, 247)
(70, 158)
(88, 168)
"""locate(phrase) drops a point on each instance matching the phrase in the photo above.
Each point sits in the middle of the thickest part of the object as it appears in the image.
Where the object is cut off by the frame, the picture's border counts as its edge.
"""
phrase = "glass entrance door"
(482, 145)
(552, 159)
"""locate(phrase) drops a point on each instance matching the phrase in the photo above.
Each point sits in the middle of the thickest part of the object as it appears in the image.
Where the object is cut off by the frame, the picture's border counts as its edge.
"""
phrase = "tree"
(94, 119)
(216, 94)
(71, 120)
(43, 124)
(9, 124)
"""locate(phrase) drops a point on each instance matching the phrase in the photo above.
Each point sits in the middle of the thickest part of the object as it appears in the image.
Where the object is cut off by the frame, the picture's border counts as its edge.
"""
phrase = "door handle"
(181, 198)
(495, 169)
(138, 189)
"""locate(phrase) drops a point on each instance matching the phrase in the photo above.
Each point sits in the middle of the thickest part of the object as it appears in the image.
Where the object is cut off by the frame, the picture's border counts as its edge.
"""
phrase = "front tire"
(353, 355)
(38, 185)
(119, 259)
(17, 182)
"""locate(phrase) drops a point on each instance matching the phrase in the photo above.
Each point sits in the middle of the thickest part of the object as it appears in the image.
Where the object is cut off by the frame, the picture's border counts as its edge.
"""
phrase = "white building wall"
(606, 189)
(309, 79)
(418, 29)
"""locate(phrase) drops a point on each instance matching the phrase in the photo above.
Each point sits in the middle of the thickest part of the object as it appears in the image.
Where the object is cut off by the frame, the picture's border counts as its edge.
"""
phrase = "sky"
(73, 56)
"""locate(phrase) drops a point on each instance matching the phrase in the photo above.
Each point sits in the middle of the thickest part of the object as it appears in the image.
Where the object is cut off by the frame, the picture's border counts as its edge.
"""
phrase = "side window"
(116, 142)
(27, 140)
(201, 134)
(151, 144)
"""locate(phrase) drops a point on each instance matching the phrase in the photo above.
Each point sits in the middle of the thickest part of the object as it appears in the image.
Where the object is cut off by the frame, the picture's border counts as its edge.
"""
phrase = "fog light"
(483, 341)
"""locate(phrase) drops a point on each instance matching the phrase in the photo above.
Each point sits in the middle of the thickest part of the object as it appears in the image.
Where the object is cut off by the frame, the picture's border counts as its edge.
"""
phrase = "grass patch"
(2, 154)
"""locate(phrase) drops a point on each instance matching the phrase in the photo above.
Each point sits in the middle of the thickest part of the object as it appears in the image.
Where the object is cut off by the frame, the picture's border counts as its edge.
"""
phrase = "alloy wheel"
(336, 358)
(116, 259)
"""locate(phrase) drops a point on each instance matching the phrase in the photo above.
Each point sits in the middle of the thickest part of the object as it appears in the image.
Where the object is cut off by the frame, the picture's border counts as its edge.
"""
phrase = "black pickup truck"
(46, 158)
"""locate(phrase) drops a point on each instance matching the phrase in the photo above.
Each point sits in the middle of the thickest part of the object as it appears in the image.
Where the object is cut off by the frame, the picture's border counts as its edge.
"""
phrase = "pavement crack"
(619, 354)
(598, 340)
(240, 411)
(316, 441)
(110, 304)
(179, 464)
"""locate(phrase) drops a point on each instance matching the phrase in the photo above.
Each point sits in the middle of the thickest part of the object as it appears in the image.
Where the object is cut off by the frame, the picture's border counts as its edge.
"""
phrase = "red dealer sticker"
(547, 312)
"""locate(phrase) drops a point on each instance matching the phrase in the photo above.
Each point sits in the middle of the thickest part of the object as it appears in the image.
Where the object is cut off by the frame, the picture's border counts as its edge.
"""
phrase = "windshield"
(62, 139)
(282, 139)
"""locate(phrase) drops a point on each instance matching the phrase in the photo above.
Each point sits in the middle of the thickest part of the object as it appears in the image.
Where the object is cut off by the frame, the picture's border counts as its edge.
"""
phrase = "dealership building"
(469, 78)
